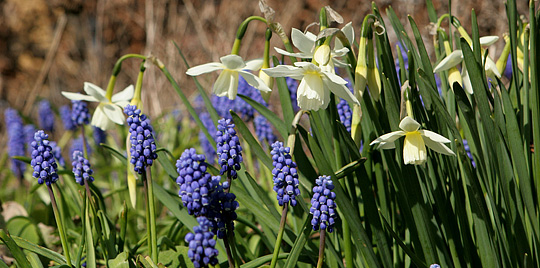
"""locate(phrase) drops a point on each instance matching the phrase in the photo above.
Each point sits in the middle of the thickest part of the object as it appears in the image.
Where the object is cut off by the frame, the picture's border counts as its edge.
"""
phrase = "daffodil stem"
(323, 20)
(266, 55)
(277, 246)
(441, 18)
(347, 244)
(242, 31)
(152, 239)
(116, 70)
(60, 223)
(137, 97)
(322, 241)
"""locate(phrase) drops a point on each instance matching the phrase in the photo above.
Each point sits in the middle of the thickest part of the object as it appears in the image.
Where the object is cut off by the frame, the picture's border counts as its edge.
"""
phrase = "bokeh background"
(49, 46)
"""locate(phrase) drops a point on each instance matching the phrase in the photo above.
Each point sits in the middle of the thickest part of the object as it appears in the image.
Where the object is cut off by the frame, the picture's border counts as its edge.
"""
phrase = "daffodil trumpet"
(416, 140)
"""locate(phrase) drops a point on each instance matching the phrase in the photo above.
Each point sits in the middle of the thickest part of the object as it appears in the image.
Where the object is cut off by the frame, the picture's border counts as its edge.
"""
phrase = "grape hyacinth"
(81, 168)
(223, 210)
(196, 184)
(57, 153)
(100, 136)
(79, 113)
(238, 105)
(345, 114)
(65, 115)
(229, 150)
(202, 251)
(143, 146)
(77, 145)
(263, 129)
(15, 131)
(43, 161)
(206, 146)
(46, 116)
(434, 266)
(284, 174)
(323, 206)
(29, 131)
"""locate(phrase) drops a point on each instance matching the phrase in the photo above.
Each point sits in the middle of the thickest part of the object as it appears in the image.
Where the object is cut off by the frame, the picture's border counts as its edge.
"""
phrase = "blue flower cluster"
(263, 129)
(77, 145)
(238, 105)
(345, 114)
(79, 113)
(207, 147)
(434, 266)
(81, 168)
(284, 174)
(143, 145)
(65, 115)
(202, 245)
(46, 116)
(100, 135)
(29, 131)
(196, 184)
(15, 131)
(323, 207)
(229, 150)
(223, 210)
(43, 160)
(57, 153)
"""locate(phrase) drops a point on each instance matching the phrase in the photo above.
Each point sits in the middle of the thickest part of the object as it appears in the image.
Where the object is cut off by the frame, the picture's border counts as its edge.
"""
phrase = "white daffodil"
(456, 57)
(109, 111)
(227, 81)
(314, 89)
(414, 148)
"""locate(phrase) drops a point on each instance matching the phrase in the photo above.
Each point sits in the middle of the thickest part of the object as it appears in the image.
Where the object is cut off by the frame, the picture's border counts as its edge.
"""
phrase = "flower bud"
(322, 55)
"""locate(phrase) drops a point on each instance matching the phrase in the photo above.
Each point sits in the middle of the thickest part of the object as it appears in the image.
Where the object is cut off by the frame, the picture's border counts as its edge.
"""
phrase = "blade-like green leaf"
(271, 116)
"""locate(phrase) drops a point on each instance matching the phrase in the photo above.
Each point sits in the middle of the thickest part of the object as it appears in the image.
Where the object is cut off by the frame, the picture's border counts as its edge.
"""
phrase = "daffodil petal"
(254, 65)
(95, 91)
(466, 80)
(302, 41)
(124, 95)
(78, 96)
(340, 63)
(310, 95)
(308, 66)
(205, 68)
(414, 149)
(226, 84)
(340, 52)
(488, 40)
(409, 125)
(100, 120)
(340, 89)
(285, 71)
(434, 136)
(114, 113)
(387, 138)
(449, 61)
(298, 55)
(438, 147)
(254, 81)
(349, 33)
(233, 62)
(492, 67)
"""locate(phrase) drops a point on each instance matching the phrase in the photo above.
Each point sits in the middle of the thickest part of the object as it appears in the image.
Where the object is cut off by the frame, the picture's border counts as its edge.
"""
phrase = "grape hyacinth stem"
(277, 246)
(228, 250)
(321, 248)
(151, 214)
(60, 223)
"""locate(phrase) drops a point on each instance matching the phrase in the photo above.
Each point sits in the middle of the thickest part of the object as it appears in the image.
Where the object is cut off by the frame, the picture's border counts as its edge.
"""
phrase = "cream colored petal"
(385, 140)
(438, 147)
(78, 96)
(114, 113)
(298, 55)
(322, 55)
(310, 95)
(488, 40)
(205, 68)
(100, 120)
(254, 65)
(414, 149)
(233, 62)
(254, 81)
(409, 125)
(349, 33)
(285, 71)
(304, 43)
(226, 84)
(466, 80)
(124, 95)
(491, 68)
(340, 90)
(434, 136)
(308, 66)
(95, 91)
(449, 61)
(339, 52)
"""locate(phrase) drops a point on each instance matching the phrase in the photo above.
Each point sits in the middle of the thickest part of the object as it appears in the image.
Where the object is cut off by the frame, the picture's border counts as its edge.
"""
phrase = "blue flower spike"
(323, 206)
(284, 174)
(16, 141)
(46, 116)
(143, 145)
(65, 115)
(43, 161)
(81, 168)
(79, 113)
(229, 150)
(202, 245)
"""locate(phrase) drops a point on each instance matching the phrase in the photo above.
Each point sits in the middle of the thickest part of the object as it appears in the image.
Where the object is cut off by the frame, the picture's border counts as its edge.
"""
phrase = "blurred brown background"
(56, 45)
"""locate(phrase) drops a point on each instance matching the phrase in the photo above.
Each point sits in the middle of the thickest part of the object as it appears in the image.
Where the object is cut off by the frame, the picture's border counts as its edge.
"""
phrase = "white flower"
(456, 57)
(414, 147)
(227, 81)
(314, 89)
(108, 111)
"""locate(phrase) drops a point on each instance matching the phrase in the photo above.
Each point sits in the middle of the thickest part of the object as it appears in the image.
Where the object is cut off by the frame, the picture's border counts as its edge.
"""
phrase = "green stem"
(321, 248)
(347, 243)
(241, 31)
(60, 223)
(152, 215)
(277, 246)
(116, 70)
(137, 96)
(228, 250)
